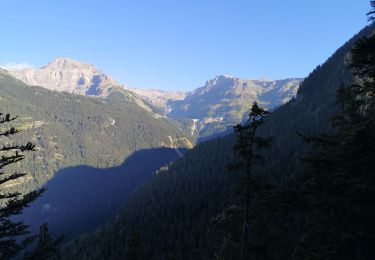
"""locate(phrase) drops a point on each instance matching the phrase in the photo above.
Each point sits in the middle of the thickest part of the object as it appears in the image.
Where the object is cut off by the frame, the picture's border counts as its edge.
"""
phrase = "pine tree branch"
(12, 229)
(7, 118)
(28, 147)
(10, 195)
(11, 131)
(15, 206)
(12, 177)
(6, 160)
(371, 14)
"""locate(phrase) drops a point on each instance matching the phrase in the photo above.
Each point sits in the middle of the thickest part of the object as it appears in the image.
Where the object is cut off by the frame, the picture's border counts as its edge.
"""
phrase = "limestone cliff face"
(225, 100)
(68, 75)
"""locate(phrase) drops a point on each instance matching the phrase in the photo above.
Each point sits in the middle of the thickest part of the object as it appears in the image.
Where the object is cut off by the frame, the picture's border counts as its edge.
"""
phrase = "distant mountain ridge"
(159, 98)
(225, 100)
(206, 111)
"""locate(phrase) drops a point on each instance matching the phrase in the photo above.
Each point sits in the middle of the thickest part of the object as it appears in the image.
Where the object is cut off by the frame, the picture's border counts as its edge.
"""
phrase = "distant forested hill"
(81, 198)
(172, 212)
(74, 130)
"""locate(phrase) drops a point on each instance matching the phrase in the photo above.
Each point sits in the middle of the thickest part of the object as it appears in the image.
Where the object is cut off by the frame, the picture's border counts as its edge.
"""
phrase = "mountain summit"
(225, 100)
(68, 75)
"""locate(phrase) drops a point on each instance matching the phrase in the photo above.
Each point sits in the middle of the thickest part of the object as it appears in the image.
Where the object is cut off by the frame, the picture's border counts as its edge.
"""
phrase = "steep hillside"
(68, 205)
(173, 211)
(72, 130)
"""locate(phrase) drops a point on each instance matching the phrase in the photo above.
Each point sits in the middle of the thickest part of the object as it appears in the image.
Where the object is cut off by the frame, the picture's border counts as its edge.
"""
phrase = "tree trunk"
(245, 228)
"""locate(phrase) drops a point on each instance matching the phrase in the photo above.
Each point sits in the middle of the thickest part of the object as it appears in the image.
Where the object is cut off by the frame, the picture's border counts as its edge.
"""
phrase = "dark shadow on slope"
(81, 198)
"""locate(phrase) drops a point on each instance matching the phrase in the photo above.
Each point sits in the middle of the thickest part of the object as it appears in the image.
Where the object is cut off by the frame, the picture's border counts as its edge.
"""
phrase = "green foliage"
(13, 234)
(247, 142)
(72, 130)
(133, 247)
(47, 247)
(371, 14)
(246, 149)
(326, 211)
(224, 234)
(171, 212)
(187, 212)
(339, 185)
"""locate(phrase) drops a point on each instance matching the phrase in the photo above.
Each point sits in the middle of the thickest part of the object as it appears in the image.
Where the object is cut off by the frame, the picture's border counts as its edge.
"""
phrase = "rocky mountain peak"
(220, 79)
(64, 74)
(62, 64)
(225, 100)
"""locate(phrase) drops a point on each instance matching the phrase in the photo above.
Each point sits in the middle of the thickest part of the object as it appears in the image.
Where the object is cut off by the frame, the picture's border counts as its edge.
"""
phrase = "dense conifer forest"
(293, 183)
(71, 130)
(313, 199)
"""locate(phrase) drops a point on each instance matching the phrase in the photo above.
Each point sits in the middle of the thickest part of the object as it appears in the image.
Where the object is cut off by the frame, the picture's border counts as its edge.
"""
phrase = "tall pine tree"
(247, 154)
(46, 248)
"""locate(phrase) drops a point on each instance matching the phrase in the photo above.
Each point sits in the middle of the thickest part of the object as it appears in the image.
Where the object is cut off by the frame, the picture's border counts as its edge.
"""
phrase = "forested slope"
(74, 130)
(81, 198)
(173, 211)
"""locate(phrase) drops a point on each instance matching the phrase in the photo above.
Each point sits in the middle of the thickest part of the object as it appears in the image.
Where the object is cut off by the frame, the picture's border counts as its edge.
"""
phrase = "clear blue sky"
(178, 45)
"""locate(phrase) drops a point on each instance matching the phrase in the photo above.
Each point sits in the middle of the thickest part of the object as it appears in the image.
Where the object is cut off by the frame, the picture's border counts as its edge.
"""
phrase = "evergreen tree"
(13, 234)
(371, 14)
(224, 234)
(339, 188)
(133, 249)
(46, 247)
(247, 154)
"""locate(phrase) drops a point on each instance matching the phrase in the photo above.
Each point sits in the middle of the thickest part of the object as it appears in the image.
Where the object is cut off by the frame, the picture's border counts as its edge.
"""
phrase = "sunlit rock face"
(225, 100)
(68, 75)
